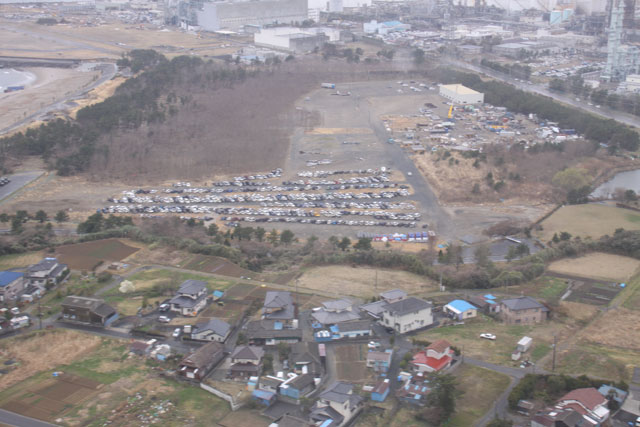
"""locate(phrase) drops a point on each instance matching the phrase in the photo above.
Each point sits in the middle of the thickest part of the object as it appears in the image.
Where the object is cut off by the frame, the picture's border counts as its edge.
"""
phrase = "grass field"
(13, 261)
(88, 255)
(546, 287)
(590, 220)
(598, 266)
(480, 388)
(361, 282)
(597, 361)
(147, 278)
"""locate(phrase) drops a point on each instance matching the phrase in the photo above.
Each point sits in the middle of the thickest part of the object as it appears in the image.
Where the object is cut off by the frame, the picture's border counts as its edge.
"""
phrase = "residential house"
(380, 391)
(298, 386)
(613, 392)
(141, 348)
(554, 417)
(278, 305)
(266, 398)
(198, 364)
(334, 311)
(588, 402)
(271, 332)
(31, 292)
(12, 285)
(407, 315)
(246, 361)
(93, 311)
(336, 406)
(47, 272)
(305, 358)
(523, 311)
(436, 357)
(351, 329)
(393, 295)
(212, 330)
(291, 421)
(379, 360)
(461, 310)
(414, 390)
(269, 383)
(190, 299)
(487, 304)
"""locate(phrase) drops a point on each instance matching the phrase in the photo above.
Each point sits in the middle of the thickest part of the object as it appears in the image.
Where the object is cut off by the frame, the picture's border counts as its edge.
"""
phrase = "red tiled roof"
(589, 397)
(440, 346)
(421, 358)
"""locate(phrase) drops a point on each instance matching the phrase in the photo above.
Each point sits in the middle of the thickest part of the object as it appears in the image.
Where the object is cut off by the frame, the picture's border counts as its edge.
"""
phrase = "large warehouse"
(459, 94)
(233, 15)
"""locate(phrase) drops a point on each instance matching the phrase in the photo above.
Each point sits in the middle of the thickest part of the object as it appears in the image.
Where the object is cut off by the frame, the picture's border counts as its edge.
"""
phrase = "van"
(164, 319)
(15, 310)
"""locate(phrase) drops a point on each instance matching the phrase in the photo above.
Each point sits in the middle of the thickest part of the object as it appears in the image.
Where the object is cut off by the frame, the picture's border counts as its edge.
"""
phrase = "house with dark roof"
(588, 402)
(298, 386)
(12, 285)
(523, 311)
(554, 417)
(436, 357)
(380, 390)
(246, 361)
(305, 358)
(334, 311)
(198, 364)
(212, 330)
(271, 332)
(379, 361)
(407, 315)
(93, 311)
(351, 329)
(190, 299)
(393, 295)
(278, 305)
(336, 406)
(269, 383)
(47, 272)
(374, 309)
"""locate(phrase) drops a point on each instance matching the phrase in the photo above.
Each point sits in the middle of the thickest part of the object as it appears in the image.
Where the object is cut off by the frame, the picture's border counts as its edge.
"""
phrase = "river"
(11, 77)
(629, 180)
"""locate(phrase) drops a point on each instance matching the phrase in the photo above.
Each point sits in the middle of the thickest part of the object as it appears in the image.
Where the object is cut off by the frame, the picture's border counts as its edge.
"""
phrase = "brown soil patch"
(339, 131)
(85, 256)
(43, 351)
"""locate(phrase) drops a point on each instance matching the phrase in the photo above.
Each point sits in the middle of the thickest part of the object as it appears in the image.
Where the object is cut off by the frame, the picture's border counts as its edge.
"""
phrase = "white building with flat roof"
(459, 94)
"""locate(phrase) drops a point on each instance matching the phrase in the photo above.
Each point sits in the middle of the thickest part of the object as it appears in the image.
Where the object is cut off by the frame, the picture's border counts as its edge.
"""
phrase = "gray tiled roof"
(191, 287)
(407, 305)
(393, 294)
(522, 303)
(214, 325)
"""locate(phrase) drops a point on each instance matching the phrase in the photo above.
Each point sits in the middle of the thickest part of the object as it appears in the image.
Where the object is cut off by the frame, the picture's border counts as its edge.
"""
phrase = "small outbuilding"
(461, 309)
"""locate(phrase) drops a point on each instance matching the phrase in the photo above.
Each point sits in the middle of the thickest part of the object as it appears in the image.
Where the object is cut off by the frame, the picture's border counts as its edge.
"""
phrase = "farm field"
(593, 292)
(590, 220)
(361, 282)
(106, 384)
(597, 266)
(86, 256)
(480, 388)
(244, 418)
(546, 287)
(351, 361)
(217, 265)
(146, 279)
(15, 261)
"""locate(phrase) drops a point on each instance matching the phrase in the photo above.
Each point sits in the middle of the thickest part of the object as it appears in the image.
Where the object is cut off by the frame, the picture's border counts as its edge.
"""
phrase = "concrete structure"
(336, 406)
(233, 15)
(461, 309)
(190, 299)
(290, 39)
(516, 49)
(212, 330)
(88, 310)
(383, 28)
(630, 85)
(407, 315)
(622, 59)
(459, 94)
(434, 358)
(198, 364)
(11, 285)
(316, 7)
(523, 311)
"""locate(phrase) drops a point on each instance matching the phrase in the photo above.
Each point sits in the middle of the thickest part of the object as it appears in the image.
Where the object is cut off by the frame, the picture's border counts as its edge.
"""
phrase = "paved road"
(18, 180)
(13, 419)
(607, 113)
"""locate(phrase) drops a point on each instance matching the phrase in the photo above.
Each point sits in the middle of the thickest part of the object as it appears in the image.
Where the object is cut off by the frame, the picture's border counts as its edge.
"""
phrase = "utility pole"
(553, 364)
(376, 283)
(39, 314)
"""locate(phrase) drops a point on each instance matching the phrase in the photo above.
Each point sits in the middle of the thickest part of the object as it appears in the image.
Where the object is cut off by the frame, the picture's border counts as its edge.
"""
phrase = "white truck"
(328, 85)
(20, 322)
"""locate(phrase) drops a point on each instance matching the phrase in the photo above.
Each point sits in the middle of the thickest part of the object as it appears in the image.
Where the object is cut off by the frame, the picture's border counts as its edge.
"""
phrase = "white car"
(409, 173)
(373, 344)
(488, 336)
(164, 319)
(177, 332)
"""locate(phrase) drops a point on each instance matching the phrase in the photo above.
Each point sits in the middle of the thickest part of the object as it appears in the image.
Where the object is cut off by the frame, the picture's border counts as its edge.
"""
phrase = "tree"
(565, 236)
(93, 224)
(22, 216)
(260, 232)
(364, 244)
(61, 216)
(418, 56)
(630, 196)
(16, 225)
(443, 393)
(511, 254)
(286, 237)
(4, 217)
(335, 241)
(212, 230)
(499, 422)
(344, 243)
(273, 237)
(41, 216)
(481, 255)
(571, 179)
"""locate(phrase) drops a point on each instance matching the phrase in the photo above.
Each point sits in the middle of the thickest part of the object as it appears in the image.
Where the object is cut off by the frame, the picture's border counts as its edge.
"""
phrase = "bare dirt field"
(244, 418)
(217, 265)
(35, 353)
(590, 220)
(598, 266)
(361, 281)
(85, 256)
(351, 363)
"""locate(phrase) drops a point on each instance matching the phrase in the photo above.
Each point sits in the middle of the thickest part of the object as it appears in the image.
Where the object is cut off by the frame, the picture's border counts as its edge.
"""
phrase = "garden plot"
(592, 292)
(88, 255)
(351, 363)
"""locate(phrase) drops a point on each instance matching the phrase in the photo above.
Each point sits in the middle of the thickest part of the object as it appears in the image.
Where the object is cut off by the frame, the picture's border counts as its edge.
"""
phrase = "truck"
(328, 85)
(20, 322)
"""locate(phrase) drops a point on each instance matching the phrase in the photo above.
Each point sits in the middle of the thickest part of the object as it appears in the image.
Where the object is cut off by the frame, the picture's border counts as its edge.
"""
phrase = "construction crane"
(450, 112)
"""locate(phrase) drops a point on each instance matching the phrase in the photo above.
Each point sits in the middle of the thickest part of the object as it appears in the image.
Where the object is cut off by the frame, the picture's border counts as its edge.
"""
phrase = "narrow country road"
(13, 419)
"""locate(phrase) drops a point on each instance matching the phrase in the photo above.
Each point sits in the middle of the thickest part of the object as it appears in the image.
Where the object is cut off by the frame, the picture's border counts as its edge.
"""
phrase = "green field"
(480, 388)
(598, 361)
(590, 220)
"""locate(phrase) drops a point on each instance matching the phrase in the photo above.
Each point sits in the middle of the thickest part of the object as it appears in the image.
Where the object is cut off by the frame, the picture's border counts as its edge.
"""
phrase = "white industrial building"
(293, 39)
(233, 15)
(459, 94)
(318, 6)
(382, 28)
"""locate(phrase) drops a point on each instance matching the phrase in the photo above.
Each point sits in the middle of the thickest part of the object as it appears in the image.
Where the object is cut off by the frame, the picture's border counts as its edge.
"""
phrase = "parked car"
(15, 310)
(488, 336)
(373, 344)
(164, 307)
(164, 319)
(177, 332)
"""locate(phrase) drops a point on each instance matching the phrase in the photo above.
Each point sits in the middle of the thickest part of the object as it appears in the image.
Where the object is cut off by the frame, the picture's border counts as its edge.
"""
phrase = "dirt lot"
(351, 363)
(85, 256)
(361, 282)
(591, 220)
(217, 265)
(35, 353)
(244, 418)
(598, 266)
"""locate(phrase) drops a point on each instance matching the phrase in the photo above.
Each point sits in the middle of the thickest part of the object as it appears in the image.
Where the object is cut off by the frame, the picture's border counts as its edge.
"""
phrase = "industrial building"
(622, 59)
(316, 7)
(459, 94)
(293, 39)
(382, 28)
(514, 49)
(233, 15)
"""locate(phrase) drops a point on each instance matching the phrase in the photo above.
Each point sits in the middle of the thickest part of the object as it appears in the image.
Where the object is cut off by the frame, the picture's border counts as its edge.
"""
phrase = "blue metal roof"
(218, 294)
(489, 296)
(263, 394)
(277, 326)
(461, 305)
(7, 277)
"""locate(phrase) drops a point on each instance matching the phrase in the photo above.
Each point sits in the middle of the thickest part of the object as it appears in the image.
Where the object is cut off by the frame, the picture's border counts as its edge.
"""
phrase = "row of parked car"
(4, 181)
